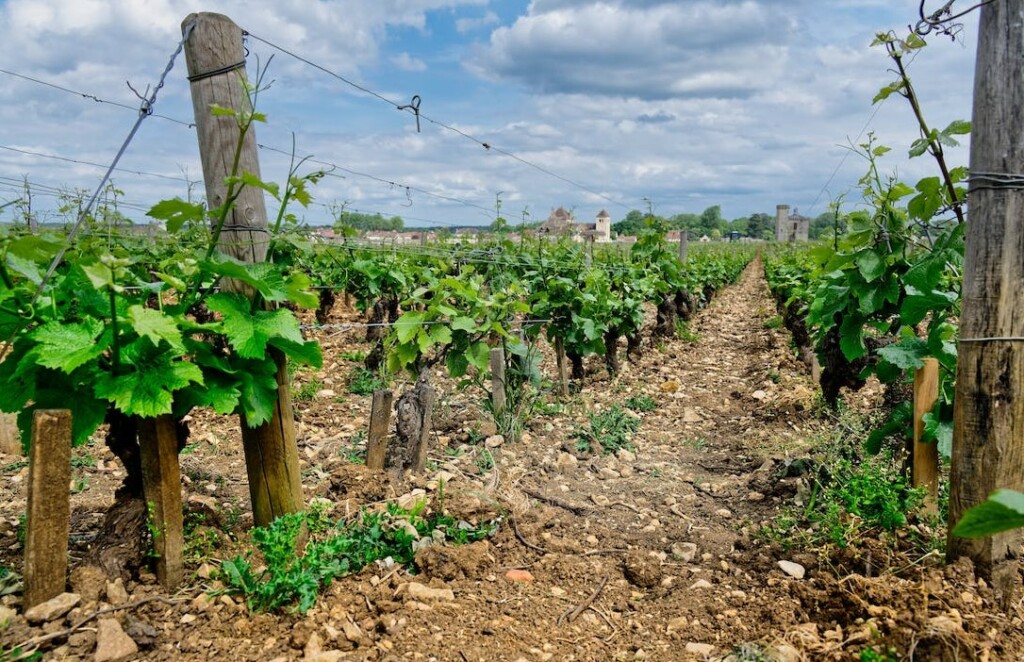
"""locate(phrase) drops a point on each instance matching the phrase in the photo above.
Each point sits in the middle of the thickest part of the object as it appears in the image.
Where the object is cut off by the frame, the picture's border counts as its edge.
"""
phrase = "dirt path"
(652, 554)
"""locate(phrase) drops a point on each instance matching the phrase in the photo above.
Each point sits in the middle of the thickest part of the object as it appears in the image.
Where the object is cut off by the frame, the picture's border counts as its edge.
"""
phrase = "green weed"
(773, 322)
(334, 549)
(608, 430)
(364, 382)
(307, 391)
(354, 357)
(642, 403)
(684, 333)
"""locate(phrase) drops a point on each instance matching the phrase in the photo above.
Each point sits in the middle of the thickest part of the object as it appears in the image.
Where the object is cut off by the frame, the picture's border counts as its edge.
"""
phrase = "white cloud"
(406, 62)
(469, 24)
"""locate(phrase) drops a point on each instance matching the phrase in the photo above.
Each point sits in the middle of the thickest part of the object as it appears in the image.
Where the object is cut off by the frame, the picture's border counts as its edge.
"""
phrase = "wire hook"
(414, 105)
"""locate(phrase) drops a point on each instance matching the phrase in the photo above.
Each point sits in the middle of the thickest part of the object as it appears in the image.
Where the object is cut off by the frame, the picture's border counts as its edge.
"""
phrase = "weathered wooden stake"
(380, 422)
(925, 468)
(498, 381)
(161, 484)
(10, 437)
(563, 368)
(988, 428)
(48, 522)
(216, 63)
(684, 239)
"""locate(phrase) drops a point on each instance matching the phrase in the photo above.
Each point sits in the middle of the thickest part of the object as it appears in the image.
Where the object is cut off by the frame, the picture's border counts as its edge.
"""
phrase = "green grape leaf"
(851, 340)
(249, 333)
(258, 383)
(306, 353)
(1002, 511)
(939, 431)
(457, 363)
(148, 391)
(408, 325)
(67, 346)
(907, 354)
(155, 326)
(176, 212)
(870, 264)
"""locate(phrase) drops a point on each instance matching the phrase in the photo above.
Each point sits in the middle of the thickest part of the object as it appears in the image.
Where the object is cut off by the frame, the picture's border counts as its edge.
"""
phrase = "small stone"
(669, 387)
(187, 618)
(690, 415)
(724, 513)
(676, 624)
(759, 395)
(116, 594)
(205, 571)
(409, 501)
(517, 575)
(88, 581)
(352, 631)
(699, 649)
(626, 472)
(557, 592)
(625, 456)
(7, 615)
(607, 473)
(53, 608)
(313, 647)
(755, 496)
(641, 570)
(325, 393)
(600, 499)
(140, 631)
(701, 583)
(566, 462)
(494, 441)
(684, 551)
(794, 570)
(202, 602)
(418, 591)
(112, 644)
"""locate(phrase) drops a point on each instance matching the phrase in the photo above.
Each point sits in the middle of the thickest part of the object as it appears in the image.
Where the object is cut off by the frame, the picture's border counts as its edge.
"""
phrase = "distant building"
(790, 228)
(562, 223)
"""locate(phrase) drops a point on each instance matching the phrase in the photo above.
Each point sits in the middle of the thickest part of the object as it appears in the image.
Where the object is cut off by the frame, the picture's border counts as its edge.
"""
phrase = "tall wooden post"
(925, 469)
(497, 360)
(216, 63)
(988, 429)
(48, 521)
(161, 483)
(380, 421)
(684, 240)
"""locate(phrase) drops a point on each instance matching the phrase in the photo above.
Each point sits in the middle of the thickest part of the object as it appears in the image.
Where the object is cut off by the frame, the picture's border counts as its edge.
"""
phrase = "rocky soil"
(648, 554)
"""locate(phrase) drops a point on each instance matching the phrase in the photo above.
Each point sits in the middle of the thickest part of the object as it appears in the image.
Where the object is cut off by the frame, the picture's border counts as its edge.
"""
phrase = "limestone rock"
(53, 608)
(112, 644)
(794, 570)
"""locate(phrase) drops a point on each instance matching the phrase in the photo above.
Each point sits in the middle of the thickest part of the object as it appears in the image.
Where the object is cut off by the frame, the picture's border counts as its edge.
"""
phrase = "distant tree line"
(348, 221)
(710, 222)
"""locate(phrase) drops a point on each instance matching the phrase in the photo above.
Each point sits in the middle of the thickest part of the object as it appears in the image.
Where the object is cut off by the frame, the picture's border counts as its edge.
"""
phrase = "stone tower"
(603, 227)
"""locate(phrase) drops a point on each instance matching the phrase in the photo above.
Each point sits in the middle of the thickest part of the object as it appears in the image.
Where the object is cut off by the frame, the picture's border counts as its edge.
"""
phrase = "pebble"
(699, 649)
(607, 473)
(516, 575)
(690, 415)
(494, 441)
(676, 624)
(701, 583)
(188, 618)
(684, 551)
(112, 644)
(724, 513)
(625, 456)
(755, 496)
(794, 570)
(116, 594)
(418, 591)
(566, 461)
(53, 608)
(759, 395)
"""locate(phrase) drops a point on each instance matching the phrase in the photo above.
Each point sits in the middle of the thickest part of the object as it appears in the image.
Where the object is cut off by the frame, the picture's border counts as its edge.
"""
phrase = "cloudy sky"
(685, 103)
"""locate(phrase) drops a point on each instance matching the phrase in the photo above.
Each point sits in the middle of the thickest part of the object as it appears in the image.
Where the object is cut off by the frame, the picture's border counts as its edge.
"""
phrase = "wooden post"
(215, 45)
(48, 522)
(563, 368)
(498, 381)
(988, 428)
(10, 437)
(925, 468)
(380, 422)
(161, 484)
(684, 239)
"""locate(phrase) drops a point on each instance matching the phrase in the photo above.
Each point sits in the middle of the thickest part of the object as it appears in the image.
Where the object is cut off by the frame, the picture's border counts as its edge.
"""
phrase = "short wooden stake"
(925, 471)
(380, 422)
(161, 484)
(498, 381)
(10, 437)
(48, 523)
(563, 368)
(684, 238)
